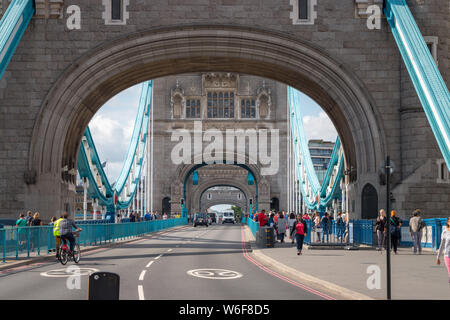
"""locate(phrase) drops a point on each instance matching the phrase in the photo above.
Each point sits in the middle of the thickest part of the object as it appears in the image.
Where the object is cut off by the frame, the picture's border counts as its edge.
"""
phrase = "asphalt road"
(202, 263)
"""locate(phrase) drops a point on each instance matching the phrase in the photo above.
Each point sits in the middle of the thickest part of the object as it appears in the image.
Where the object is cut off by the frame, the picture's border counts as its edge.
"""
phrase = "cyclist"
(66, 229)
(57, 233)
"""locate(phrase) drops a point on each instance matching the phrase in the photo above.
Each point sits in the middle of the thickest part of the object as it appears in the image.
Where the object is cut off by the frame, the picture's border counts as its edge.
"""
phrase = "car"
(200, 219)
(228, 217)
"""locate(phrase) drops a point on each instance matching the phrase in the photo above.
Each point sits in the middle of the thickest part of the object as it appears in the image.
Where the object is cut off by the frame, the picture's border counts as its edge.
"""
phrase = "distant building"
(320, 155)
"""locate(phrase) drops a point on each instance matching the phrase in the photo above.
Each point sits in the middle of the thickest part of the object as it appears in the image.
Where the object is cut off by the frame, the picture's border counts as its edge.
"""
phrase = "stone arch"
(128, 60)
(198, 192)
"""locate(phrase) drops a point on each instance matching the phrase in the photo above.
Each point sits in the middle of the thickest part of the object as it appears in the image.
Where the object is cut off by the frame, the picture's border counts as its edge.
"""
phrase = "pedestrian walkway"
(413, 276)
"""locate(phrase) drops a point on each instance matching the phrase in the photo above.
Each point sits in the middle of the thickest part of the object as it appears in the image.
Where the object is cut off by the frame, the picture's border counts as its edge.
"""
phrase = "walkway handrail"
(18, 242)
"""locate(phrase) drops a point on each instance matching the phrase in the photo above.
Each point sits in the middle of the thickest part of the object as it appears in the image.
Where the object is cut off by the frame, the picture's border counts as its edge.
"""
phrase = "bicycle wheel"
(76, 253)
(63, 256)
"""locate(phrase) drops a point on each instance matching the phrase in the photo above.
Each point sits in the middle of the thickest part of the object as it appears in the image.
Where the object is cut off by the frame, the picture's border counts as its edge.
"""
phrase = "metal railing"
(18, 242)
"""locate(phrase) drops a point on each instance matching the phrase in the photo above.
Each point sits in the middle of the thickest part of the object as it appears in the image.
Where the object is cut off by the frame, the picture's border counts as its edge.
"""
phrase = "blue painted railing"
(12, 27)
(428, 82)
(18, 242)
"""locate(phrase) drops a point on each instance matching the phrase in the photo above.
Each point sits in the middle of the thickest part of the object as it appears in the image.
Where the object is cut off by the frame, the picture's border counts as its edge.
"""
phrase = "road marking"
(149, 264)
(141, 277)
(169, 250)
(141, 292)
(216, 274)
(158, 257)
(62, 273)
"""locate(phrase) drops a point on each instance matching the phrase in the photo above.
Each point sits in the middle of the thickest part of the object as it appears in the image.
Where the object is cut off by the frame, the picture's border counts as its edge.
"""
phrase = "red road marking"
(294, 283)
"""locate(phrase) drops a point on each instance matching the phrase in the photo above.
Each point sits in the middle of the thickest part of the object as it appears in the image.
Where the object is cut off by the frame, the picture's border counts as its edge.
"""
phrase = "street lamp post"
(388, 171)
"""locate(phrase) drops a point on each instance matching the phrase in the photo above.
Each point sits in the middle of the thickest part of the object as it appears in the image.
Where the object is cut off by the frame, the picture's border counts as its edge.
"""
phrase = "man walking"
(416, 224)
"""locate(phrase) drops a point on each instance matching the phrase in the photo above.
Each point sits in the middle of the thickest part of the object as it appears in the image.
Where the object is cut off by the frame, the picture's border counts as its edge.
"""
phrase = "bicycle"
(64, 252)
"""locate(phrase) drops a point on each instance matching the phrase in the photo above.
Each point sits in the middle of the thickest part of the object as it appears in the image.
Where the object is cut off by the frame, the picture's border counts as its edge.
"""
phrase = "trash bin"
(265, 237)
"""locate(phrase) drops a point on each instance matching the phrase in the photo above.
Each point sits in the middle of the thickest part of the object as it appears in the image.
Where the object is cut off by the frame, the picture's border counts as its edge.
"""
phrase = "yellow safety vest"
(56, 230)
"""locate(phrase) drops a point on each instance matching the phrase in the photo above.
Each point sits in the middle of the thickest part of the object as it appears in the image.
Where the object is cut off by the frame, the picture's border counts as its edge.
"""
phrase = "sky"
(112, 127)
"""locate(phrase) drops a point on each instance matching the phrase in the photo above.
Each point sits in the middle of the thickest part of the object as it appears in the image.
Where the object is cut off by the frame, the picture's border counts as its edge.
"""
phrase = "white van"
(228, 217)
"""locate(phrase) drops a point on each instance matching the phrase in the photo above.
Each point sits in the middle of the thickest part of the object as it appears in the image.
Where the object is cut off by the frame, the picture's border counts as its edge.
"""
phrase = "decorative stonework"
(49, 9)
(362, 5)
(264, 101)
(177, 101)
(220, 80)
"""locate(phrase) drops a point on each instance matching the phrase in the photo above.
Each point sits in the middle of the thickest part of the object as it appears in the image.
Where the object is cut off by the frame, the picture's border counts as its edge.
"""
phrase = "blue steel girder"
(428, 82)
(132, 169)
(315, 196)
(12, 27)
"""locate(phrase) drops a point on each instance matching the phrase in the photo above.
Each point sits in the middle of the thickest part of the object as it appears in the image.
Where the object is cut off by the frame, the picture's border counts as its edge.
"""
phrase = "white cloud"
(319, 127)
(111, 139)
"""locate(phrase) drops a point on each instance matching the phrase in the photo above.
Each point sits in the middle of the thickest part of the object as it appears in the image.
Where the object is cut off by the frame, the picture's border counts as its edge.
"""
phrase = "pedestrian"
(381, 229)
(301, 231)
(36, 221)
(52, 221)
(51, 224)
(291, 224)
(395, 225)
(165, 216)
(325, 222)
(281, 227)
(147, 216)
(317, 226)
(445, 247)
(21, 223)
(340, 227)
(262, 219)
(306, 217)
(132, 217)
(416, 225)
(29, 218)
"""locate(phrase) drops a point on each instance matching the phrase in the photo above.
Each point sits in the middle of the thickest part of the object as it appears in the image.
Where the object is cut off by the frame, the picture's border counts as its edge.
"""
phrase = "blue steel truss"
(315, 196)
(428, 82)
(12, 26)
(90, 167)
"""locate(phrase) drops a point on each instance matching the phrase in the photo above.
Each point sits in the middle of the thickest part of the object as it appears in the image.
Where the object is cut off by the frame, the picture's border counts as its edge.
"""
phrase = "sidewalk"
(413, 276)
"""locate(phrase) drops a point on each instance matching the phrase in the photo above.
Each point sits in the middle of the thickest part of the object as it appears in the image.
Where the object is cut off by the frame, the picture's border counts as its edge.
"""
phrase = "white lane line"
(141, 277)
(141, 292)
(169, 250)
(149, 264)
(158, 257)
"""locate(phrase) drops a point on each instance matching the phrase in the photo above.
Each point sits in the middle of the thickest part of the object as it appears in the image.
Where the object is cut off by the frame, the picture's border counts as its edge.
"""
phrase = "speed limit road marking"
(216, 274)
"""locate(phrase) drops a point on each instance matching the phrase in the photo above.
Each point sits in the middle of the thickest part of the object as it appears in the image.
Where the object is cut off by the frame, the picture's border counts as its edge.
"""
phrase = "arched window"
(369, 200)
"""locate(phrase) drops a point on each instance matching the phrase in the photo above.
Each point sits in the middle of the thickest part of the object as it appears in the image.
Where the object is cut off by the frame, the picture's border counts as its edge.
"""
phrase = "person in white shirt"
(445, 247)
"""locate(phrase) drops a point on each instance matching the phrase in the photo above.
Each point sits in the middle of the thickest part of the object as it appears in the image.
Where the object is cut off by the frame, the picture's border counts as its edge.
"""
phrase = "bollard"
(104, 286)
